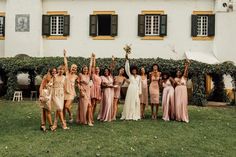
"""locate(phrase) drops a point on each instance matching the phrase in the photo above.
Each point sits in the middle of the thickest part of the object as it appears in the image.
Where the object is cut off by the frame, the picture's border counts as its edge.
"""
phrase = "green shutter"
(163, 25)
(141, 25)
(46, 25)
(114, 25)
(211, 25)
(194, 26)
(93, 25)
(3, 27)
(66, 31)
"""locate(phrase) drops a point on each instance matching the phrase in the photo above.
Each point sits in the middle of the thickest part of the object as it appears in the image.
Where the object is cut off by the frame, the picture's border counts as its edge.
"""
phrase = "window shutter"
(46, 25)
(93, 25)
(3, 26)
(194, 26)
(66, 31)
(163, 25)
(114, 25)
(141, 25)
(211, 25)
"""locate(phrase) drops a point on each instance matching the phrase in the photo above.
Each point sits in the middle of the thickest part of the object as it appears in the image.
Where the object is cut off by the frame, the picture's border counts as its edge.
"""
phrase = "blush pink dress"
(106, 109)
(117, 89)
(84, 101)
(58, 93)
(70, 87)
(96, 87)
(168, 101)
(154, 90)
(181, 100)
(144, 95)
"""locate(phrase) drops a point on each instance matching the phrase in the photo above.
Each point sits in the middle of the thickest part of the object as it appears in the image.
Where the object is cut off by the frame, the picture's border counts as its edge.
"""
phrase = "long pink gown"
(144, 95)
(96, 87)
(168, 101)
(154, 90)
(107, 100)
(181, 100)
(84, 101)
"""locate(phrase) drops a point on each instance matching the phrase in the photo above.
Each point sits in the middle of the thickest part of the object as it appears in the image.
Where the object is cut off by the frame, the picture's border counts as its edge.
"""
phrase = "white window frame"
(202, 27)
(57, 30)
(152, 25)
(1, 25)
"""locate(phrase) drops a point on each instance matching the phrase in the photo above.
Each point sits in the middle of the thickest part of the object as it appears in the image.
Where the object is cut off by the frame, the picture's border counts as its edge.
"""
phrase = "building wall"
(81, 44)
(23, 42)
(2, 42)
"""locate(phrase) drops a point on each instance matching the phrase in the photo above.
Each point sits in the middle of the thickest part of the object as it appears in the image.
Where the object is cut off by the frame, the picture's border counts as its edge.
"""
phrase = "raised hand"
(64, 52)
(113, 57)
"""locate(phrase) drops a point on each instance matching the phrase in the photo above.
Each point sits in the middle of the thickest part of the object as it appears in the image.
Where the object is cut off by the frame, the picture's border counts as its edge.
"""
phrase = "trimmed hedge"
(197, 70)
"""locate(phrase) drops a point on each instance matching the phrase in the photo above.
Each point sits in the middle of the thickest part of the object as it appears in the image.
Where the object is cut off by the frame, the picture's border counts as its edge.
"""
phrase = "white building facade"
(155, 28)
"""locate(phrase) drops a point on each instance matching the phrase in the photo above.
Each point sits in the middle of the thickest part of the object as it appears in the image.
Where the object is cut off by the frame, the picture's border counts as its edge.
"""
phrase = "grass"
(211, 132)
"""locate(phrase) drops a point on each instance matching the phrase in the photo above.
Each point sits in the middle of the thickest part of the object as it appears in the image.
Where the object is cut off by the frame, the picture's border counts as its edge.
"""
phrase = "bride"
(131, 110)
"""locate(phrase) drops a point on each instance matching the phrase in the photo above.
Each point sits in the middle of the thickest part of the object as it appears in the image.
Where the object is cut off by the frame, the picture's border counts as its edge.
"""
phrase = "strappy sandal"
(66, 128)
(90, 124)
(53, 128)
(43, 128)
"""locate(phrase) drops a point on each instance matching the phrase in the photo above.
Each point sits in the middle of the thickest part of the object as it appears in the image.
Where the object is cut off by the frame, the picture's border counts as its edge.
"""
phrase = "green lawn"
(211, 132)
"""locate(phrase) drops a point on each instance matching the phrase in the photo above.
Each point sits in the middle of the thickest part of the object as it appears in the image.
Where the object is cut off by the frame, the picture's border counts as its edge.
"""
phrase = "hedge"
(10, 67)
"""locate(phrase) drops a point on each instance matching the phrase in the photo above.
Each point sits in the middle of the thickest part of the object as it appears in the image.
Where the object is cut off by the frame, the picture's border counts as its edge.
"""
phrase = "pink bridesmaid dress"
(70, 87)
(181, 100)
(107, 100)
(154, 90)
(96, 87)
(168, 101)
(84, 101)
(117, 89)
(144, 95)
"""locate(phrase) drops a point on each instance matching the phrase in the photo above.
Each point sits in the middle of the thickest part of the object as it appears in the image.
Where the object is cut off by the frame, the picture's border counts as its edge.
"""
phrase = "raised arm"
(113, 64)
(186, 69)
(65, 61)
(127, 68)
(93, 63)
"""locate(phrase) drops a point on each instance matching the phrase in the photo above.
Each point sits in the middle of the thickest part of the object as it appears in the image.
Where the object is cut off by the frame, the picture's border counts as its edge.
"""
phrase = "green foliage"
(197, 70)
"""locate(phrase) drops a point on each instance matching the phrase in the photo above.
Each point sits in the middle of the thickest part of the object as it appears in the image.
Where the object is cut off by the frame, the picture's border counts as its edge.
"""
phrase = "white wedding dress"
(131, 109)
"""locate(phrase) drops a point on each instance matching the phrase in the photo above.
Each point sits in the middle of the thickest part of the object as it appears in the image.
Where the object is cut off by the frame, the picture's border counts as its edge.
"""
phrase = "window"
(103, 25)
(203, 25)
(2, 26)
(56, 25)
(152, 25)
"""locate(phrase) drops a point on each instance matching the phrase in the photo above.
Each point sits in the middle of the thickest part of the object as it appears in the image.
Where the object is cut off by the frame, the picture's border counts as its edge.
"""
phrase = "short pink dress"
(144, 95)
(96, 87)
(168, 101)
(117, 89)
(70, 87)
(58, 93)
(181, 100)
(106, 109)
(84, 100)
(154, 90)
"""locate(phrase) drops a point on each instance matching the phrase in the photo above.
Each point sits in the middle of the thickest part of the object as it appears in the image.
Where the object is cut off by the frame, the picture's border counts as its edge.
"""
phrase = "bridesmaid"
(70, 93)
(154, 89)
(118, 82)
(107, 97)
(84, 112)
(95, 91)
(45, 94)
(144, 95)
(168, 97)
(181, 95)
(58, 97)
